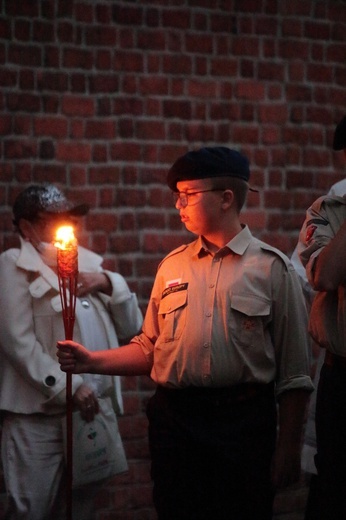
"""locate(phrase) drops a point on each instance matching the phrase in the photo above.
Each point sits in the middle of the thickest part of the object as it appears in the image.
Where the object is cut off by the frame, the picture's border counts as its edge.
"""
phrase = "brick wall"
(100, 97)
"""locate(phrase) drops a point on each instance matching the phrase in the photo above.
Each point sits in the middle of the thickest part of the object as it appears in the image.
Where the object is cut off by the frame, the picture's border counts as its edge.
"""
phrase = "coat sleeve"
(123, 307)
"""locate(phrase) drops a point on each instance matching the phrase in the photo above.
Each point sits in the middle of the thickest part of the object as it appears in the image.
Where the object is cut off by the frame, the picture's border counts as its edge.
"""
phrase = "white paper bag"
(98, 451)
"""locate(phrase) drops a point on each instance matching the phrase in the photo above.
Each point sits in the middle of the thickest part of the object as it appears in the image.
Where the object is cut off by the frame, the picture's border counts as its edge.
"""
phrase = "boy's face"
(202, 213)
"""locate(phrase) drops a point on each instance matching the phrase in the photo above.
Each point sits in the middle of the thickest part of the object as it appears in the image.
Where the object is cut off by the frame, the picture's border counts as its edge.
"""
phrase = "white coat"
(31, 323)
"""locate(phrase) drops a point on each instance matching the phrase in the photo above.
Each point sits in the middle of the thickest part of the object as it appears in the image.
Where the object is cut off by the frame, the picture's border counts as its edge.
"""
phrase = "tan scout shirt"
(238, 316)
(328, 312)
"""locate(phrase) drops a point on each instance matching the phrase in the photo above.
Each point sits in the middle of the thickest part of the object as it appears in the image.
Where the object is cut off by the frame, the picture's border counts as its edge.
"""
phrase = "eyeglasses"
(183, 196)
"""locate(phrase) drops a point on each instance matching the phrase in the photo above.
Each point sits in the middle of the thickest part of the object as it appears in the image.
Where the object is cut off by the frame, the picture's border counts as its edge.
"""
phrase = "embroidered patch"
(310, 230)
(171, 283)
(174, 289)
(249, 324)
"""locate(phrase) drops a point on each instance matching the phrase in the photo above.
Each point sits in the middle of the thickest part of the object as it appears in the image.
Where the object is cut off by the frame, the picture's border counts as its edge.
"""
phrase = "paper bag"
(98, 451)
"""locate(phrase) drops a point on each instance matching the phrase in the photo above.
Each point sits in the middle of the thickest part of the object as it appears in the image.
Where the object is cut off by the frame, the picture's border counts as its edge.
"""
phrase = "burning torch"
(67, 262)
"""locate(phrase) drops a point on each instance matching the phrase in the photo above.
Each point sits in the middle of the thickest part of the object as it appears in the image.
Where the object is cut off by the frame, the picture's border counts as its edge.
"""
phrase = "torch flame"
(65, 237)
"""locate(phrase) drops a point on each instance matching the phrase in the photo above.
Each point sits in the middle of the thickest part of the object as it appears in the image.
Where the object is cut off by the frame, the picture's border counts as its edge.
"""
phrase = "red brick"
(102, 175)
(49, 173)
(84, 13)
(101, 35)
(78, 106)
(180, 109)
(103, 60)
(273, 113)
(178, 18)
(317, 30)
(100, 129)
(157, 84)
(177, 64)
(77, 58)
(122, 151)
(25, 55)
(290, 49)
(73, 151)
(43, 31)
(320, 73)
(22, 30)
(271, 71)
(99, 153)
(128, 61)
(23, 102)
(150, 130)
(250, 90)
(65, 31)
(195, 44)
(50, 126)
(127, 15)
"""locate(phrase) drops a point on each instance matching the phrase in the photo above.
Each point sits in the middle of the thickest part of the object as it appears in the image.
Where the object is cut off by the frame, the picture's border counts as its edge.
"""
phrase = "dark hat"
(339, 142)
(217, 161)
(44, 198)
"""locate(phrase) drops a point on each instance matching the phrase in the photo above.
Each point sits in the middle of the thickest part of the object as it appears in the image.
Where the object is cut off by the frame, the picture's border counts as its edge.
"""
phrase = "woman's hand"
(86, 401)
(93, 282)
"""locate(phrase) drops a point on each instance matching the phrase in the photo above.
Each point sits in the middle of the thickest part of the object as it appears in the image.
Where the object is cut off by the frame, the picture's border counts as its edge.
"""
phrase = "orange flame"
(65, 238)
(66, 245)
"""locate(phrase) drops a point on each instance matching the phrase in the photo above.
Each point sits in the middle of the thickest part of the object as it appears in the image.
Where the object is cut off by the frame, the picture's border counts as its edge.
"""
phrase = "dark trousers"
(211, 454)
(331, 442)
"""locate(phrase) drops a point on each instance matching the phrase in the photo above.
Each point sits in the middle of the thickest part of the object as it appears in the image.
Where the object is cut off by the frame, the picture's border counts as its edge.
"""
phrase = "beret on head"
(45, 198)
(339, 142)
(217, 161)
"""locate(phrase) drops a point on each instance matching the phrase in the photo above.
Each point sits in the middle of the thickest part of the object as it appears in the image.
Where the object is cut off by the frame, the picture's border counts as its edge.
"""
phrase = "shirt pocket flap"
(172, 302)
(250, 305)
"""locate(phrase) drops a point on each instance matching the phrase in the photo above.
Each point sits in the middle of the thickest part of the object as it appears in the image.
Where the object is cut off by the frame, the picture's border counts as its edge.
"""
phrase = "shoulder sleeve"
(322, 221)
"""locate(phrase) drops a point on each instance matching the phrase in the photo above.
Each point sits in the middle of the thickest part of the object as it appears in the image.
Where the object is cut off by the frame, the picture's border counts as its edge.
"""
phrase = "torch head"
(67, 251)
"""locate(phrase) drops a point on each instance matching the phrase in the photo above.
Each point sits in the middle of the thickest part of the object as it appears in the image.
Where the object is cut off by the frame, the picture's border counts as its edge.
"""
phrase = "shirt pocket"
(249, 317)
(172, 315)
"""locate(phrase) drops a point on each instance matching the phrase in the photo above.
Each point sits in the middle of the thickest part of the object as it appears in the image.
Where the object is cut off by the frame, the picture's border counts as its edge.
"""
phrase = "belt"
(219, 395)
(331, 360)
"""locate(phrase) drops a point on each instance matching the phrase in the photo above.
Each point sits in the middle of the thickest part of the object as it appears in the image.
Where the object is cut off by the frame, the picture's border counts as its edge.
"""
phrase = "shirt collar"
(241, 241)
(237, 245)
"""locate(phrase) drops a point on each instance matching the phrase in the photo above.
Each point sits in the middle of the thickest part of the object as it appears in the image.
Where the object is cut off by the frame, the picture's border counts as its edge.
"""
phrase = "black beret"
(217, 161)
(339, 142)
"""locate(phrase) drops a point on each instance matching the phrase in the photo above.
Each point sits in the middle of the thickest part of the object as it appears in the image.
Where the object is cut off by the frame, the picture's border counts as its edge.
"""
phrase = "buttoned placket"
(208, 314)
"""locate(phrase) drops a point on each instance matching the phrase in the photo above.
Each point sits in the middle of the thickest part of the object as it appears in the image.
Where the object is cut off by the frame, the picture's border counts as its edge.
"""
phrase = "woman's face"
(43, 228)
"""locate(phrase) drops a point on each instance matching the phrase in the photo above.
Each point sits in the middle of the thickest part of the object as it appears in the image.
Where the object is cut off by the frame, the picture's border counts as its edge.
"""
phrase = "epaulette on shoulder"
(329, 200)
(176, 251)
(277, 252)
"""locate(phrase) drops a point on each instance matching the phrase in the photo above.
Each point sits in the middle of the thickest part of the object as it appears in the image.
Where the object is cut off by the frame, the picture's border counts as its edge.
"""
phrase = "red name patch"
(309, 232)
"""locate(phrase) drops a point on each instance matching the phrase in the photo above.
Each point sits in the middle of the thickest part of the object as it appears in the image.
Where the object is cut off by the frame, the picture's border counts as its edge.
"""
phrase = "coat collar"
(30, 260)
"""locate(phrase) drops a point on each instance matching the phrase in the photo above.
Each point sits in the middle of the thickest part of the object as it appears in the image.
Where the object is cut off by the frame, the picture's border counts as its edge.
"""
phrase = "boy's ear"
(228, 198)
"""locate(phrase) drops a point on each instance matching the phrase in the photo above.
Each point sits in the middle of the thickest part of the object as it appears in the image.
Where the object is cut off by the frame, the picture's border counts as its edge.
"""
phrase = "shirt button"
(208, 314)
(50, 380)
(85, 304)
(206, 345)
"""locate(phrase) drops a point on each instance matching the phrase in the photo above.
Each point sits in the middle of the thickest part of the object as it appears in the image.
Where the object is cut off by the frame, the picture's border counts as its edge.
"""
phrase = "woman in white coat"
(32, 386)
